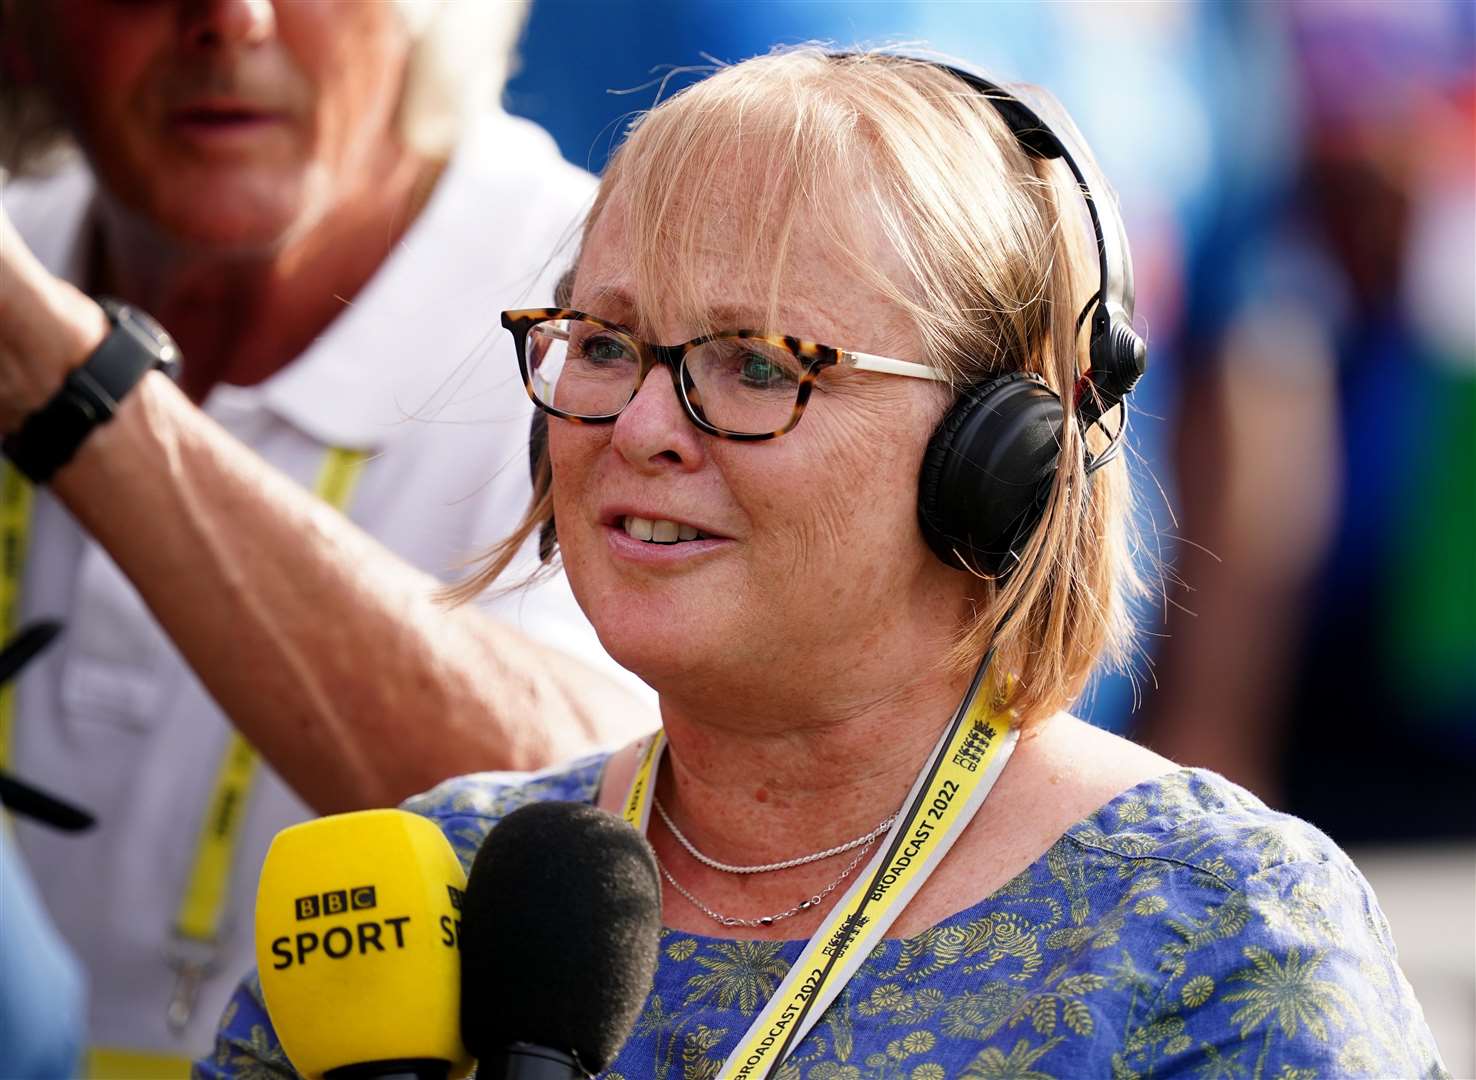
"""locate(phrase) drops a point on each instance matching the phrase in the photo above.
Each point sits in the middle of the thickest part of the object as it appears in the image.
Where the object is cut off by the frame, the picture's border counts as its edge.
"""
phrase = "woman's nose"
(653, 431)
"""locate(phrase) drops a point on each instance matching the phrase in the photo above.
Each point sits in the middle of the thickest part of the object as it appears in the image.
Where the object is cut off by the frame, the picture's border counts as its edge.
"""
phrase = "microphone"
(559, 947)
(358, 917)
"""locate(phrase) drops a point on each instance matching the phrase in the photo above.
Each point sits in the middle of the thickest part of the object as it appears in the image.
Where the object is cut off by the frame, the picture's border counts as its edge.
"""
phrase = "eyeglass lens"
(741, 385)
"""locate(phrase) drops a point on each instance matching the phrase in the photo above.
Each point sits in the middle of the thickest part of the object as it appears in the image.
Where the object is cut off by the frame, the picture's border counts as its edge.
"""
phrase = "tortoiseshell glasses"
(738, 384)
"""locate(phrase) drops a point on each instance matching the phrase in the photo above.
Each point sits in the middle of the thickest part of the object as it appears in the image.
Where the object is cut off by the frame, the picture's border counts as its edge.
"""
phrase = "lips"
(223, 115)
(220, 116)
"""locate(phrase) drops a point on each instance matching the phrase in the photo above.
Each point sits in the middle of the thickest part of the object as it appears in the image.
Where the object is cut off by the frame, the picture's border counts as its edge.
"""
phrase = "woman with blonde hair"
(826, 466)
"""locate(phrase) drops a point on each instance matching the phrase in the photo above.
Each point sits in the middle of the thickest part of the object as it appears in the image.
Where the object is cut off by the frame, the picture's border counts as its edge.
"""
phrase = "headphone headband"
(988, 470)
(1118, 356)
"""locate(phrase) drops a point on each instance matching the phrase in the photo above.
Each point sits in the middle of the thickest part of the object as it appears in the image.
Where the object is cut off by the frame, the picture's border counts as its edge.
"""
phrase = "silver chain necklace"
(728, 868)
(763, 920)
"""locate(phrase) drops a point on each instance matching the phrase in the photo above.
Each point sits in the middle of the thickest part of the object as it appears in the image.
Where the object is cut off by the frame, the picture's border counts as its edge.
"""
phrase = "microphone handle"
(396, 1069)
(527, 1061)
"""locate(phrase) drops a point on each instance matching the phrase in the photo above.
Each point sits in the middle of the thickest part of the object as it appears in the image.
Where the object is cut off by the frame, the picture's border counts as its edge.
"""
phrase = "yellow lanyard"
(948, 792)
(207, 892)
(15, 521)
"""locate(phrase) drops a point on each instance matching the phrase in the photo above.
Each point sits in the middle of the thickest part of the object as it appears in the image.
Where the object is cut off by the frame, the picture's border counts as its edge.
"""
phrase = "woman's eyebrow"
(607, 301)
(617, 305)
(737, 317)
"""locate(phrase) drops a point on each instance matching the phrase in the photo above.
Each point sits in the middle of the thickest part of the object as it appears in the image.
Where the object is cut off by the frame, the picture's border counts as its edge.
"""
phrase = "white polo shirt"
(416, 370)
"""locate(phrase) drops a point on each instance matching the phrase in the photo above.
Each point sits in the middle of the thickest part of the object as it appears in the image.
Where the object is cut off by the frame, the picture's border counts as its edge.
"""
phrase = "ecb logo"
(335, 902)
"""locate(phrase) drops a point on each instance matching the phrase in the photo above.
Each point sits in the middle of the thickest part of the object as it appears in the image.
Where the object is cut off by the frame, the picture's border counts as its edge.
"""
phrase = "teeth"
(659, 531)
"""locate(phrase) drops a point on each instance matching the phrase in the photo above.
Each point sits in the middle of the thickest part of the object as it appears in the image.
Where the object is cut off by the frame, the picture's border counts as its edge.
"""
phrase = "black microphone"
(559, 940)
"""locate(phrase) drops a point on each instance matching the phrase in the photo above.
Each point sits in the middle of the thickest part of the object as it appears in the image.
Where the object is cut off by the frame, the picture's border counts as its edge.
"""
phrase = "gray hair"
(463, 53)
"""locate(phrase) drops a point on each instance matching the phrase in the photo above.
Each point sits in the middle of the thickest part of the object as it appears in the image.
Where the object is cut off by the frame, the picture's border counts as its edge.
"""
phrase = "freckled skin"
(827, 564)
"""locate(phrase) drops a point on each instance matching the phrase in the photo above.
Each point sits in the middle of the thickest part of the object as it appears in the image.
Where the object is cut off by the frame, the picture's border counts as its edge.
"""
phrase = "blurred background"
(1299, 185)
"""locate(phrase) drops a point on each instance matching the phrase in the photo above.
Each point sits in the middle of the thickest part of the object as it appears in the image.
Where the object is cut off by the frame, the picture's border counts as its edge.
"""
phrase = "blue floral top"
(1182, 930)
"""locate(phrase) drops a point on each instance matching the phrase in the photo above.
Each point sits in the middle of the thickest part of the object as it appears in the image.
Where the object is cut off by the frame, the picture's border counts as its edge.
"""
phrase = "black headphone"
(987, 472)
(986, 475)
(988, 469)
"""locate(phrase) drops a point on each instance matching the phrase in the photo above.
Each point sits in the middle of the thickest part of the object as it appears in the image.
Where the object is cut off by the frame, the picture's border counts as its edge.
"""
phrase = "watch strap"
(91, 393)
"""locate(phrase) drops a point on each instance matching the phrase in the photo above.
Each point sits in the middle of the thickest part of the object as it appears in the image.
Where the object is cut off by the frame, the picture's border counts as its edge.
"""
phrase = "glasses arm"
(868, 362)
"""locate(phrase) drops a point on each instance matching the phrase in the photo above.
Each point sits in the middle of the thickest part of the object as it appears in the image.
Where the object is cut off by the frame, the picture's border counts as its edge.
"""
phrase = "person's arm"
(329, 653)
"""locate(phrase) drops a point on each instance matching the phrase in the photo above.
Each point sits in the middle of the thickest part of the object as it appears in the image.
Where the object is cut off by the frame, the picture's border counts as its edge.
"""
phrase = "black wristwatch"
(50, 436)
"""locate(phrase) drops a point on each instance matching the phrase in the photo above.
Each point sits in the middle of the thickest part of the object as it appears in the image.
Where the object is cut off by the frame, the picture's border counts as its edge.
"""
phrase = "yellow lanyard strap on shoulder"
(15, 524)
(207, 893)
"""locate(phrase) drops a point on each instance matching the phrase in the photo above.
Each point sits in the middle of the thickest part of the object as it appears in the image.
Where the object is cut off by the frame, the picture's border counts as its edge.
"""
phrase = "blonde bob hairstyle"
(998, 263)
(462, 54)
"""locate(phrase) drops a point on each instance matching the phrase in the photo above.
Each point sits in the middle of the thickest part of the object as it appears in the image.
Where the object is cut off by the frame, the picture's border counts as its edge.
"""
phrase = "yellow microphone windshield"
(358, 920)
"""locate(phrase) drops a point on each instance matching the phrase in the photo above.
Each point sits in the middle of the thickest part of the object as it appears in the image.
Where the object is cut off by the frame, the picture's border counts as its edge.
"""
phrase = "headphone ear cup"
(987, 472)
(1119, 358)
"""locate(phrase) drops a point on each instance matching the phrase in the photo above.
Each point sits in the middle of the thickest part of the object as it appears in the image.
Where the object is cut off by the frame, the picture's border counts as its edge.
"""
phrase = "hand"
(47, 327)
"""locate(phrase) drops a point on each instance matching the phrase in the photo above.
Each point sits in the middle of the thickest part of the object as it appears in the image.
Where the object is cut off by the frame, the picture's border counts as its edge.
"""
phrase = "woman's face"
(812, 553)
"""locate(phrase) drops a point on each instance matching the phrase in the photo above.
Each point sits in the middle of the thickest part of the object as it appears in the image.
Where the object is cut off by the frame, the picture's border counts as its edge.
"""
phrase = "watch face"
(147, 330)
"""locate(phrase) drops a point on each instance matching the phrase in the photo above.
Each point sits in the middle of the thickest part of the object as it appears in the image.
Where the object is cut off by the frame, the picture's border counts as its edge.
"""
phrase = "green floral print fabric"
(1182, 930)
